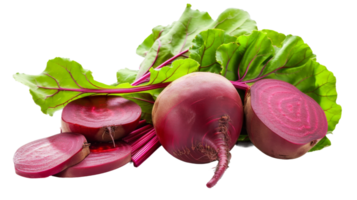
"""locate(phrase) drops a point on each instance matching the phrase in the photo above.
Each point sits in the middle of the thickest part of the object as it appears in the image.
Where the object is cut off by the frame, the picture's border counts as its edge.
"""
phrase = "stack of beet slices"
(89, 143)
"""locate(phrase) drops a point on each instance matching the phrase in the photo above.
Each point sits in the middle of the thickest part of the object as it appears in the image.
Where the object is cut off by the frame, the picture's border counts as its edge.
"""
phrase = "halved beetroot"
(282, 121)
(101, 118)
(103, 158)
(48, 156)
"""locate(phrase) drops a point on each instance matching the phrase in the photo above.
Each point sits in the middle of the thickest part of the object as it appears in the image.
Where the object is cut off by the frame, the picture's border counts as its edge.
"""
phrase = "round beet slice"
(101, 118)
(103, 158)
(48, 156)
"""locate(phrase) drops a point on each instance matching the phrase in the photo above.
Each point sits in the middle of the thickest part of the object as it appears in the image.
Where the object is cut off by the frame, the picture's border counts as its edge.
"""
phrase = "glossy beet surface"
(198, 119)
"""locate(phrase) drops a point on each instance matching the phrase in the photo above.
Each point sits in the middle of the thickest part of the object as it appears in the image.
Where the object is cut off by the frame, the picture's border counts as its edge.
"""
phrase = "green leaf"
(178, 37)
(326, 93)
(188, 5)
(324, 142)
(126, 75)
(157, 32)
(276, 38)
(228, 57)
(64, 81)
(258, 59)
(204, 49)
(247, 58)
(178, 69)
(235, 22)
(144, 47)
(59, 73)
(316, 81)
(292, 56)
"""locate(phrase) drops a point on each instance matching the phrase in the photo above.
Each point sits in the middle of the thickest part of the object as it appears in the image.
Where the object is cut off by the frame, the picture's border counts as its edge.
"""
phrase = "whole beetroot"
(198, 119)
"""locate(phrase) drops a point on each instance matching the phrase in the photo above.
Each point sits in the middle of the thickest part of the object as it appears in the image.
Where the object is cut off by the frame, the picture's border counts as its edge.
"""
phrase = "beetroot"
(282, 121)
(48, 156)
(101, 118)
(198, 119)
(103, 158)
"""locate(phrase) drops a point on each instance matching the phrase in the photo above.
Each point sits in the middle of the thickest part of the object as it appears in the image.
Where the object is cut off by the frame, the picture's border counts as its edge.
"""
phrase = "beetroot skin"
(282, 121)
(198, 119)
(101, 118)
(48, 156)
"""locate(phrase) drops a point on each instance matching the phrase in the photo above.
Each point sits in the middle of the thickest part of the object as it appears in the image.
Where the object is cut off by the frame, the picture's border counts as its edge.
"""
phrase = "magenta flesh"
(198, 119)
(48, 156)
(101, 118)
(103, 158)
(282, 121)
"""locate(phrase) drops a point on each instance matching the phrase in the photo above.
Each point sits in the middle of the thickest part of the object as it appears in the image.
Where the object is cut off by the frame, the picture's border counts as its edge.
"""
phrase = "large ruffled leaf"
(64, 81)
(178, 37)
(157, 32)
(46, 88)
(204, 49)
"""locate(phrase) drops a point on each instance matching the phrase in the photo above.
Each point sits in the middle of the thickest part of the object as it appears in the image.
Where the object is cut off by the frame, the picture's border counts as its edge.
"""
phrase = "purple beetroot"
(103, 158)
(48, 156)
(282, 121)
(101, 118)
(198, 119)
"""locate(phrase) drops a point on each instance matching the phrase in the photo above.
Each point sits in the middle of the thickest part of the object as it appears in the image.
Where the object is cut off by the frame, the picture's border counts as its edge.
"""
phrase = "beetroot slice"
(287, 111)
(103, 158)
(101, 118)
(48, 156)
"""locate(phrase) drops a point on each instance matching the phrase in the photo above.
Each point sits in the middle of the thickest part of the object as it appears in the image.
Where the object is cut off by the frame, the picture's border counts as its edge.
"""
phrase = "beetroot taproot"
(103, 158)
(198, 119)
(48, 156)
(101, 118)
(282, 121)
